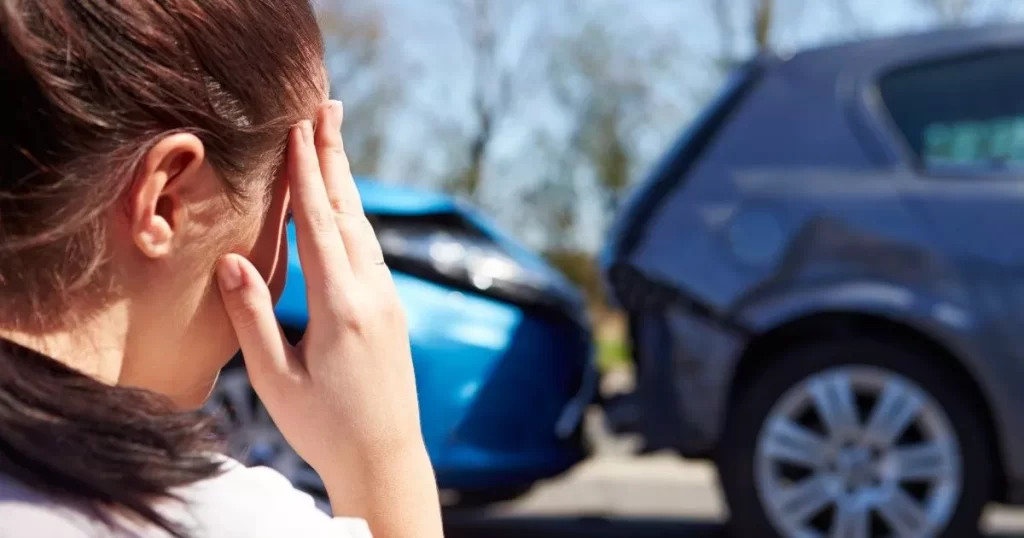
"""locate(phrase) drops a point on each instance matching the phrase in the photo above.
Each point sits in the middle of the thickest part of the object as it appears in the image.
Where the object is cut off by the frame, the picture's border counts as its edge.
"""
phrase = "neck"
(94, 347)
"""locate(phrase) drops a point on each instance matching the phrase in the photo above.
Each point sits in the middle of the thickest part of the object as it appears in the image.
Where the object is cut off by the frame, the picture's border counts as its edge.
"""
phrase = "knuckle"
(333, 151)
(337, 206)
(376, 307)
(336, 151)
(387, 303)
(353, 320)
(333, 289)
(377, 255)
(246, 313)
(354, 223)
(321, 221)
(383, 271)
(245, 319)
(351, 310)
(394, 312)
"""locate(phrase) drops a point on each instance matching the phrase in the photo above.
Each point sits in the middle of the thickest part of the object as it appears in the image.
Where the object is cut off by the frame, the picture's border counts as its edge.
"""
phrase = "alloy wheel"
(857, 452)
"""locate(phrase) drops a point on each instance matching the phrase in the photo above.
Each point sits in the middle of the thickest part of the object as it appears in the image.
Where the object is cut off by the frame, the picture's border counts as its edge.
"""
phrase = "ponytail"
(106, 449)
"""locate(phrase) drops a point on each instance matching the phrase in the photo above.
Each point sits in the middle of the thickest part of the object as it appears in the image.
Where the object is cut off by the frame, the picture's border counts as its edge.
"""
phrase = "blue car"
(500, 341)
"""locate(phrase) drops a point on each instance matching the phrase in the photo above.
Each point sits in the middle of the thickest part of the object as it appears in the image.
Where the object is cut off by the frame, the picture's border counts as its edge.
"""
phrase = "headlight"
(452, 252)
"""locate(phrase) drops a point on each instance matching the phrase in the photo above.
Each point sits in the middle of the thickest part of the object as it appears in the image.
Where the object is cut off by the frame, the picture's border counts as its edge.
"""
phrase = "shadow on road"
(482, 526)
(462, 526)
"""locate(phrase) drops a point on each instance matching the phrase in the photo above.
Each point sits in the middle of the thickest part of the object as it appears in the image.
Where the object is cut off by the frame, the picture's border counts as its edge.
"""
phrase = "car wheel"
(855, 439)
(252, 437)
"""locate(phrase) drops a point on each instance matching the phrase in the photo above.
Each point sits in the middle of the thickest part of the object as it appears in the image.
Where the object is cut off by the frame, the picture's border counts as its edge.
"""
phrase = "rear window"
(967, 111)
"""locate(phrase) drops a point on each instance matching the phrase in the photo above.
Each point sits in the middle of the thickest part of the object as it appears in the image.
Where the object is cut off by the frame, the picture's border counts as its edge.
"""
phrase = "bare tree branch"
(353, 39)
(722, 17)
(949, 11)
(764, 17)
(491, 89)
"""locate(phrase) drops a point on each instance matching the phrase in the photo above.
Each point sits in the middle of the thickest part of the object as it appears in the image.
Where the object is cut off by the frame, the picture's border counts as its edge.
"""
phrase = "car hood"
(390, 199)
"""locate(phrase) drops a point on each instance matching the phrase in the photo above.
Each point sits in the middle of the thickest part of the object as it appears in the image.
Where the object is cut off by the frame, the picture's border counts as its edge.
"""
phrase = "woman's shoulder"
(248, 502)
(26, 512)
(257, 501)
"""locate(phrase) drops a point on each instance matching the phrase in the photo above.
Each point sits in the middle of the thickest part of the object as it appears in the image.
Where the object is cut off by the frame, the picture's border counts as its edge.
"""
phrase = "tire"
(754, 479)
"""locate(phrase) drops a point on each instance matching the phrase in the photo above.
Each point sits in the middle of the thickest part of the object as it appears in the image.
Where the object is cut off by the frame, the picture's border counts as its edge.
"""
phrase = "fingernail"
(307, 131)
(229, 275)
(337, 112)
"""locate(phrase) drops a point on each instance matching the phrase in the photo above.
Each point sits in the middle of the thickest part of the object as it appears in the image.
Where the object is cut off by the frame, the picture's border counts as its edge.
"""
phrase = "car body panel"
(833, 217)
(493, 379)
(393, 199)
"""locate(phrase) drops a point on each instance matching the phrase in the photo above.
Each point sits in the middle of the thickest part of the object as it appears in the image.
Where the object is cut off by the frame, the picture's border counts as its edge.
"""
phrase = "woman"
(150, 154)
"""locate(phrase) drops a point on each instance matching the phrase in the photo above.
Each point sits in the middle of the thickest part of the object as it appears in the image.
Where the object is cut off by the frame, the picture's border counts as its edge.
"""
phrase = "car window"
(964, 113)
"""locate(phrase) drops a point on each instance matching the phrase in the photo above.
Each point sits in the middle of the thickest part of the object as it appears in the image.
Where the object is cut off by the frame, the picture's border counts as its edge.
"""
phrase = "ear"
(155, 203)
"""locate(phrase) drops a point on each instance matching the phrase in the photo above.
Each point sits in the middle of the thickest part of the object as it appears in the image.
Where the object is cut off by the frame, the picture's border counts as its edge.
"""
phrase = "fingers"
(268, 356)
(321, 249)
(341, 189)
(361, 243)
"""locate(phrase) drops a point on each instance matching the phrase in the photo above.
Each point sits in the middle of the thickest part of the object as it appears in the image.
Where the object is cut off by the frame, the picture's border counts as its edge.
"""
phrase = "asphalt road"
(619, 495)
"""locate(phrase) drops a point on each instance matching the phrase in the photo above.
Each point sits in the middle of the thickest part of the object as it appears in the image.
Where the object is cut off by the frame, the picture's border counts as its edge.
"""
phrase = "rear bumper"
(684, 365)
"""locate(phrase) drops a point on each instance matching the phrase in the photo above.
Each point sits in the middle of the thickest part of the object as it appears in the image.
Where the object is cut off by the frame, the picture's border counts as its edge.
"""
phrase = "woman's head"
(142, 140)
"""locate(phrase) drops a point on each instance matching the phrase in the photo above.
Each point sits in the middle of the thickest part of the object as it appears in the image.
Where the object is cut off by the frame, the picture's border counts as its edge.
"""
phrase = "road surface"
(617, 495)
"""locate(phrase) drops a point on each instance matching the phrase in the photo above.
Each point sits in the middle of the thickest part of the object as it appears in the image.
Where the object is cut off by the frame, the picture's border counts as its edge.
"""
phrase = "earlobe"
(155, 240)
(155, 203)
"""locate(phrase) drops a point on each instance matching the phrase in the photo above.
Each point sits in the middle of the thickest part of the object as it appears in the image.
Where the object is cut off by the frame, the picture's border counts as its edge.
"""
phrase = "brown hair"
(88, 86)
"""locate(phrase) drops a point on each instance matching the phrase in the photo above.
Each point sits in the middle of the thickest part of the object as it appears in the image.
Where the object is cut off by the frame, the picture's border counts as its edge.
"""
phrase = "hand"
(345, 397)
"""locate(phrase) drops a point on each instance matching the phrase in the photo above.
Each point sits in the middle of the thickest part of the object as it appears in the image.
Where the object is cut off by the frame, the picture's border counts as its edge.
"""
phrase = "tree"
(354, 35)
(761, 14)
(948, 11)
(607, 89)
(764, 16)
(953, 12)
(610, 92)
(491, 90)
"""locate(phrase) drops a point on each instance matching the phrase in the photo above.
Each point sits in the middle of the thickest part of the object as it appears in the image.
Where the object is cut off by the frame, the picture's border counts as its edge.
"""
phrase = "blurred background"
(499, 139)
(543, 113)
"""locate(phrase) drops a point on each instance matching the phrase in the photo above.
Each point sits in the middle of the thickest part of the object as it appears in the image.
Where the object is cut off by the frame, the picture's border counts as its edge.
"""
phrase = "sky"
(427, 58)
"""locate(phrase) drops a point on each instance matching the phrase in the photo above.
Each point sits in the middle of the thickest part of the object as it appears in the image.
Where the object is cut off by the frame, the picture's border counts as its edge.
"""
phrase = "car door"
(962, 121)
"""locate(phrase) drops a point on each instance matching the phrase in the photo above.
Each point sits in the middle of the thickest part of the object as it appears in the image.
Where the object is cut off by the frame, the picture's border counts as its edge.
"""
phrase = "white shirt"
(242, 502)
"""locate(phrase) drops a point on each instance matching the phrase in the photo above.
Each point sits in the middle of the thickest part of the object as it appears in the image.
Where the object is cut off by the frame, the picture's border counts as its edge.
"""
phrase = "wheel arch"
(837, 324)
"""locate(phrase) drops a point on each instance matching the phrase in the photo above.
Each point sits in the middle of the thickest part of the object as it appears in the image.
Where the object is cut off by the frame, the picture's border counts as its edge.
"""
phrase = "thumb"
(250, 308)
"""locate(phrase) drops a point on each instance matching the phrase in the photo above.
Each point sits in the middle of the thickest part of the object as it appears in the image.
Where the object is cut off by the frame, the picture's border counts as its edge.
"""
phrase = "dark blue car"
(500, 341)
(824, 286)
